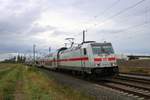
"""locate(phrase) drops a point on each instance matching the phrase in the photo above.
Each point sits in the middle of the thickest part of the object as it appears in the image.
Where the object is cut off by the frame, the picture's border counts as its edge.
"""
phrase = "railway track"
(130, 91)
(132, 86)
(134, 78)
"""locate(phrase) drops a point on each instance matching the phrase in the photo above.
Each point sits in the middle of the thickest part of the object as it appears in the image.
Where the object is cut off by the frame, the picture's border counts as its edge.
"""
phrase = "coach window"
(84, 51)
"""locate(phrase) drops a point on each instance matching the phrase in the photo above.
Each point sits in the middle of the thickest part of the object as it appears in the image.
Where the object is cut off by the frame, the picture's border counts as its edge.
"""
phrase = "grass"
(5, 71)
(8, 82)
(134, 70)
(20, 82)
(135, 67)
(39, 86)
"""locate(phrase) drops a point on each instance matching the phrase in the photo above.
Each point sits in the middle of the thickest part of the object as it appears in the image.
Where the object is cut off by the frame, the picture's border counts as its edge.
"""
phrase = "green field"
(20, 82)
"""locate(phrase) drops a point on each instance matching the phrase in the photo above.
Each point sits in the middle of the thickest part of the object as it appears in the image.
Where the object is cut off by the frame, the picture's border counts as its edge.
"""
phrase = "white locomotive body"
(89, 57)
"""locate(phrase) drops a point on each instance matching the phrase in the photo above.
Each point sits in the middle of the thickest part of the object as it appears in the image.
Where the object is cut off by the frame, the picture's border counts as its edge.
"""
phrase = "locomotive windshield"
(104, 49)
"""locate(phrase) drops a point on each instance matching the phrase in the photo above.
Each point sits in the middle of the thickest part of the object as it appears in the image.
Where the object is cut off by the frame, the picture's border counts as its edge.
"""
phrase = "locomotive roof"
(93, 43)
(101, 44)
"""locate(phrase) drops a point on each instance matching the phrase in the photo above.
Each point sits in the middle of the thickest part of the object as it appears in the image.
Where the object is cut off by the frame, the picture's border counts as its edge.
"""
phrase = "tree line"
(15, 59)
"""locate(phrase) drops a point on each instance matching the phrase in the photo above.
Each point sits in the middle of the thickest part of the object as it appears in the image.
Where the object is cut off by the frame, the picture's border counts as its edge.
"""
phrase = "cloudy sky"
(125, 23)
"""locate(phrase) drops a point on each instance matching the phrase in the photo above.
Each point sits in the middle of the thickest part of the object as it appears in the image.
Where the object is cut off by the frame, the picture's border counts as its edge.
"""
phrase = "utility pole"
(34, 53)
(49, 50)
(84, 35)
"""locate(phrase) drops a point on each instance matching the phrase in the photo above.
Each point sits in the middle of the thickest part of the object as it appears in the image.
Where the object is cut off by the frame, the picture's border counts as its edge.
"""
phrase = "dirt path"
(19, 93)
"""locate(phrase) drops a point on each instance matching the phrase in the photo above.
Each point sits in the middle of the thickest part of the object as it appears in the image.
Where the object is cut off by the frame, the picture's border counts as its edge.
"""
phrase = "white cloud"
(48, 22)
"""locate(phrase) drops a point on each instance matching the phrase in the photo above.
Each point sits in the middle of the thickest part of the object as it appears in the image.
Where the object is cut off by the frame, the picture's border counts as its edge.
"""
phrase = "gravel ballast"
(100, 92)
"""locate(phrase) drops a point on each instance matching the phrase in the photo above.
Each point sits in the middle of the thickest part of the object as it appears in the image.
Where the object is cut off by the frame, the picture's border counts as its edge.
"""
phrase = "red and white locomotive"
(90, 57)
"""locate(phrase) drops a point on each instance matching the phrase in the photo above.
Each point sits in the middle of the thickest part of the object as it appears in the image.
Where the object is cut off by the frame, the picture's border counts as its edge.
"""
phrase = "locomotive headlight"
(114, 64)
(97, 65)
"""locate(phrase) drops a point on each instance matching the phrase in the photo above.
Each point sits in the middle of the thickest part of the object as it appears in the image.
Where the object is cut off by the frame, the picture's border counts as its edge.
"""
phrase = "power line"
(147, 10)
(134, 31)
(104, 11)
(122, 11)
(34, 46)
(110, 7)
(134, 26)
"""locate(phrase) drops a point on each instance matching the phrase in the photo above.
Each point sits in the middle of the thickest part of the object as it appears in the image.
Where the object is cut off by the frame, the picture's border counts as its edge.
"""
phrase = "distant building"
(132, 56)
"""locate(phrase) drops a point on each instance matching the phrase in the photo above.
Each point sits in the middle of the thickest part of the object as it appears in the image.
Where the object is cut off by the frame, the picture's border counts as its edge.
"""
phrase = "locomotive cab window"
(102, 50)
(84, 51)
